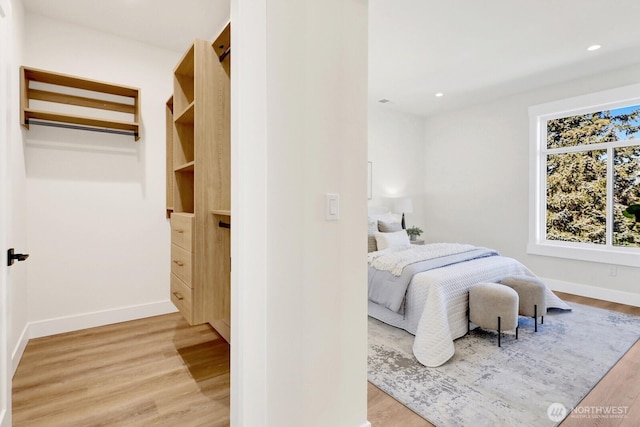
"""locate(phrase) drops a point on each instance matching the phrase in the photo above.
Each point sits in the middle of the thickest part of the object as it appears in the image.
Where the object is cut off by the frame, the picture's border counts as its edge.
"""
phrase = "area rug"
(516, 384)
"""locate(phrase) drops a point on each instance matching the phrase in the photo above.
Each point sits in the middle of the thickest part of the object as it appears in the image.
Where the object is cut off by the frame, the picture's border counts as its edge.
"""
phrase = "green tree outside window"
(577, 176)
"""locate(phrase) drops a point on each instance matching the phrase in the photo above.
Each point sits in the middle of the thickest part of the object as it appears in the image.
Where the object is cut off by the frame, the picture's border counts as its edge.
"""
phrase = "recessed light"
(593, 47)
(439, 94)
(383, 101)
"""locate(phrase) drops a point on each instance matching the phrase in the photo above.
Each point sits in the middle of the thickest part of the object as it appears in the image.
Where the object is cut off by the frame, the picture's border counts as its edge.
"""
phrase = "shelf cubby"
(184, 81)
(183, 143)
(183, 191)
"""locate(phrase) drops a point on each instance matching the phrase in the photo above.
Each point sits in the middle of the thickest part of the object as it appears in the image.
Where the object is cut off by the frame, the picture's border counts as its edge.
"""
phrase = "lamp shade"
(403, 205)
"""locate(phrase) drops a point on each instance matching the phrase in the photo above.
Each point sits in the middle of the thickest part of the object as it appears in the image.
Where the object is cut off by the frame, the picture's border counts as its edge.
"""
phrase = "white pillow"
(392, 240)
(372, 229)
(386, 217)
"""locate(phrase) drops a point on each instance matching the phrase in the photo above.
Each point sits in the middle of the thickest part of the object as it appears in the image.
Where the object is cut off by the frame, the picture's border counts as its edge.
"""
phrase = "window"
(585, 171)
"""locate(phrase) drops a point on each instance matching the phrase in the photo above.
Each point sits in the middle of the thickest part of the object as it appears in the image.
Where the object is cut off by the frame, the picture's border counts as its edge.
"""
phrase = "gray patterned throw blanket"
(391, 270)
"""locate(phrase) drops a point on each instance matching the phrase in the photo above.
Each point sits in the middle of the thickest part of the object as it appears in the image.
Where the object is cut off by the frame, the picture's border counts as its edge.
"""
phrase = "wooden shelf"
(221, 212)
(186, 167)
(29, 114)
(130, 104)
(187, 116)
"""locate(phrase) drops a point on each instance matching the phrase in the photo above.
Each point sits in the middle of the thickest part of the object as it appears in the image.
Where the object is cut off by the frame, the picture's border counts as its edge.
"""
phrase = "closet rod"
(78, 127)
(224, 224)
(224, 55)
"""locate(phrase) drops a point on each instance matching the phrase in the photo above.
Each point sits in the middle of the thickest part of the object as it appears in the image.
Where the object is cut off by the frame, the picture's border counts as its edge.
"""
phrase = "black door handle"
(12, 256)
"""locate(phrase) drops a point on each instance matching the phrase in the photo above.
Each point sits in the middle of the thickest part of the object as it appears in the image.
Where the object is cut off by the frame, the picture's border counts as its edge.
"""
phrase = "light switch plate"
(332, 206)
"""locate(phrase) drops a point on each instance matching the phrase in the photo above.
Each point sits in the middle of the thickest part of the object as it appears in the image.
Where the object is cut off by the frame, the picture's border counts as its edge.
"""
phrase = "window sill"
(620, 256)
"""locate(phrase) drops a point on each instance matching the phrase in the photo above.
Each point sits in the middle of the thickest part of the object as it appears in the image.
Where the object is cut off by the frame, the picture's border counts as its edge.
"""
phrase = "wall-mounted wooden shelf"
(58, 87)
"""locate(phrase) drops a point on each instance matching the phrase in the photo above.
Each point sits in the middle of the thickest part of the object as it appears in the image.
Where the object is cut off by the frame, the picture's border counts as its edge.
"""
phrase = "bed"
(434, 306)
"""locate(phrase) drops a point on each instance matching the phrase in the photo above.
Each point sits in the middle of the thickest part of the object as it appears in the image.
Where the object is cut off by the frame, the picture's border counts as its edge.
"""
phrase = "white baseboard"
(367, 424)
(60, 325)
(620, 297)
(17, 353)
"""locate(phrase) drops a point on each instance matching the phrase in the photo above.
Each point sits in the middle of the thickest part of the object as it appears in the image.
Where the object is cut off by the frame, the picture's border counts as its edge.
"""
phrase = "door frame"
(5, 134)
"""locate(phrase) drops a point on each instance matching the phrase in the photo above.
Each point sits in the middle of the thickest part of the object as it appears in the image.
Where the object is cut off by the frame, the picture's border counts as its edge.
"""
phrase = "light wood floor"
(619, 388)
(160, 371)
(151, 372)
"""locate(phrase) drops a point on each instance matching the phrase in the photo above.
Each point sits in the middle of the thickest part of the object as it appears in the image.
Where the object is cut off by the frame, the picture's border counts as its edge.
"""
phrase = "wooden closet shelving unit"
(222, 206)
(58, 90)
(198, 171)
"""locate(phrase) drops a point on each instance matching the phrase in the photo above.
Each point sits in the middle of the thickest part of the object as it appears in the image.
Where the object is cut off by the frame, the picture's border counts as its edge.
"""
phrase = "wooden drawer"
(181, 297)
(182, 230)
(181, 264)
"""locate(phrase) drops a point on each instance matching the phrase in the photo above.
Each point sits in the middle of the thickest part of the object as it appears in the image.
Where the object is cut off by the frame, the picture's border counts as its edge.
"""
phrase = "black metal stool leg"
(499, 331)
(535, 316)
(517, 331)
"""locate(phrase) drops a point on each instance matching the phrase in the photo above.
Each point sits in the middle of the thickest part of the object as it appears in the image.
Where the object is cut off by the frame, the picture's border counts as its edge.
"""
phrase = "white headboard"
(377, 210)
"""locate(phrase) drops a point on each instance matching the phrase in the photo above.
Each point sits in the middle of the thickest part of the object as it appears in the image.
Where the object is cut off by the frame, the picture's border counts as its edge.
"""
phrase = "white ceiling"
(472, 51)
(169, 24)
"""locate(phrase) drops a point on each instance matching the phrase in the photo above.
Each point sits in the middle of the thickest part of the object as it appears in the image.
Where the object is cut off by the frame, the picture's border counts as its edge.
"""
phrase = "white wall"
(97, 231)
(299, 125)
(477, 175)
(396, 149)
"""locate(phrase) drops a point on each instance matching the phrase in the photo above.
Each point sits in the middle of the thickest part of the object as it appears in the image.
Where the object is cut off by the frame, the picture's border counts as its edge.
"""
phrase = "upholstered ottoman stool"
(494, 306)
(532, 294)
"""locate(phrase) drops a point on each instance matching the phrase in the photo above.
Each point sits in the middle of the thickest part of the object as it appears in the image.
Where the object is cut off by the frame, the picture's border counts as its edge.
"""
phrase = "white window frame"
(538, 117)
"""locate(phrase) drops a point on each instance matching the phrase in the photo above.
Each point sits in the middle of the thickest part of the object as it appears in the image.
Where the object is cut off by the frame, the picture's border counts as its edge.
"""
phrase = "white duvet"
(394, 260)
(435, 309)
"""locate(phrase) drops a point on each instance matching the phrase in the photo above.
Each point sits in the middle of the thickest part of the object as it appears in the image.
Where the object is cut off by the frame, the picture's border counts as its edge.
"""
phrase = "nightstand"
(417, 242)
